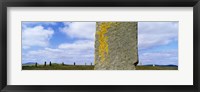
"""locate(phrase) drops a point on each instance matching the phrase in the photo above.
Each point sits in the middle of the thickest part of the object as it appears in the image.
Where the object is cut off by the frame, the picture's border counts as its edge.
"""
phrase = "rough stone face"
(116, 46)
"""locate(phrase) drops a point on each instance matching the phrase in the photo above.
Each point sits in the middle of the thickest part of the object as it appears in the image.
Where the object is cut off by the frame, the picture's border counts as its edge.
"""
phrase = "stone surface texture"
(116, 46)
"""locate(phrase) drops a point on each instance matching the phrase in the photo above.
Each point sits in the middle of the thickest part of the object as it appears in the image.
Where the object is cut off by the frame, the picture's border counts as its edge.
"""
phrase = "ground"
(89, 67)
(156, 68)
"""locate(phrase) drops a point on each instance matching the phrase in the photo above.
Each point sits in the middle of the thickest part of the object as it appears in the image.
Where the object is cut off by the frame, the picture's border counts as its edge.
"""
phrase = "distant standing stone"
(45, 63)
(116, 46)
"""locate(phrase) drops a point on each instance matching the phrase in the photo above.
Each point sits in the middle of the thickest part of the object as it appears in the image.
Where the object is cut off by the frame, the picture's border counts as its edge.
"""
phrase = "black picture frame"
(98, 3)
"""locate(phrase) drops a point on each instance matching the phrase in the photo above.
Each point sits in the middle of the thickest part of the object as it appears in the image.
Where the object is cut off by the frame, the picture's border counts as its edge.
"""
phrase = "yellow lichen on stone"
(103, 45)
(103, 40)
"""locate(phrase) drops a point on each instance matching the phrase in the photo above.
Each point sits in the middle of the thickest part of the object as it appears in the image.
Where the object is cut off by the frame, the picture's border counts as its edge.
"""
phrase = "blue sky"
(70, 42)
(158, 43)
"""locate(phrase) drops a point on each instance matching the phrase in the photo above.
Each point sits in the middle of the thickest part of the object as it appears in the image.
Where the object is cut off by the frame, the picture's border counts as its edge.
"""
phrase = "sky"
(71, 42)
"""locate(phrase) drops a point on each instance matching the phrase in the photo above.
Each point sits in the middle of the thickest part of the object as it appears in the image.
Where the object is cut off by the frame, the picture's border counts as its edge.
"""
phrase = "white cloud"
(85, 30)
(81, 52)
(160, 58)
(156, 33)
(36, 36)
(80, 44)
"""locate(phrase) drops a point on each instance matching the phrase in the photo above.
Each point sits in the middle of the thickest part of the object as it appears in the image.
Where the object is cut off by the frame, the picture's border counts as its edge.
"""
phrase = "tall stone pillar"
(116, 46)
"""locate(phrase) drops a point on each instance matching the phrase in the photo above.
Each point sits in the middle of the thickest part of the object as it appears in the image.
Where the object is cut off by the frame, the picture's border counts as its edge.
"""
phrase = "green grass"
(88, 67)
(58, 67)
(156, 68)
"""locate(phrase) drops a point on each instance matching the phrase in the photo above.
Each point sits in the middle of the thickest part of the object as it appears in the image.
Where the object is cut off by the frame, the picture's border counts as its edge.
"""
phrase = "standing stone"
(116, 46)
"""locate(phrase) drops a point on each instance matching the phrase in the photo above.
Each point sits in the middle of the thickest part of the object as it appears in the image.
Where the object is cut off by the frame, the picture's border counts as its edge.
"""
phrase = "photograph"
(99, 45)
(107, 45)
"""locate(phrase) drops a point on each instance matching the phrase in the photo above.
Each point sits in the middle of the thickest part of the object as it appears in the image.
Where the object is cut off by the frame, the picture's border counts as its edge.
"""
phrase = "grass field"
(58, 67)
(156, 68)
(88, 67)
